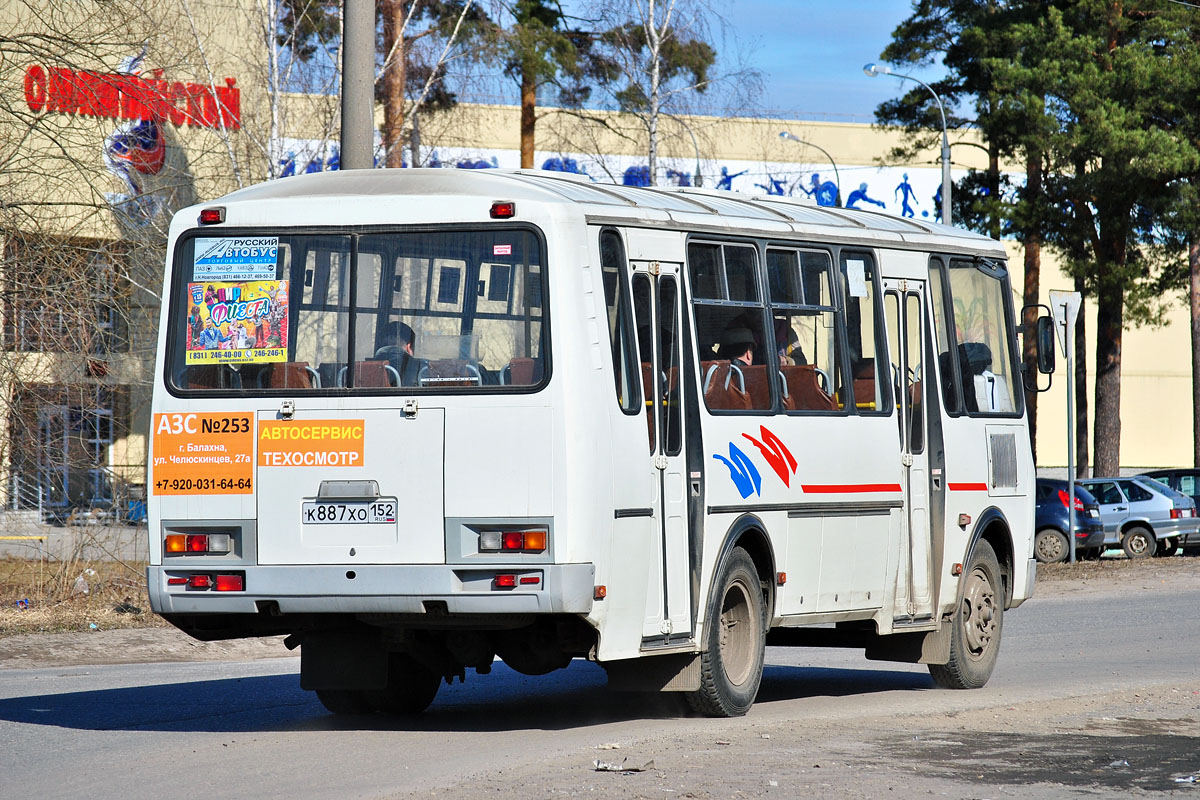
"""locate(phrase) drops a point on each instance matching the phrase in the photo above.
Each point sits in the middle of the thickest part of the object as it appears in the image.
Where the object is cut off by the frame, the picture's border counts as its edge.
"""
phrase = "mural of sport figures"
(904, 191)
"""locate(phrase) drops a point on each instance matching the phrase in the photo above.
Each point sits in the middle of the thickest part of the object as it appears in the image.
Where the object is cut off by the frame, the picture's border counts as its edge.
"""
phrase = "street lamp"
(882, 69)
(836, 178)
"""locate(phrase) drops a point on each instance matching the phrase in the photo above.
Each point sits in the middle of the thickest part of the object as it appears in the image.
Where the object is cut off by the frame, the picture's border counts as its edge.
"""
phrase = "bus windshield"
(445, 310)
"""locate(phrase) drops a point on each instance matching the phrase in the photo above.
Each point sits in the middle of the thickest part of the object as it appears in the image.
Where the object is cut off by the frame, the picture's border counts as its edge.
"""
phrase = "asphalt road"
(246, 729)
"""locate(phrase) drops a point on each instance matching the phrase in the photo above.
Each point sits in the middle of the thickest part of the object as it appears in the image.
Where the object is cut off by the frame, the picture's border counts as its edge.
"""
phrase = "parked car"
(1184, 481)
(1050, 542)
(1144, 516)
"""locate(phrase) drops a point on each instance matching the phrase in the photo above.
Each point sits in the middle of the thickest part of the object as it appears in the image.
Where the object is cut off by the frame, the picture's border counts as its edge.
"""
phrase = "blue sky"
(811, 54)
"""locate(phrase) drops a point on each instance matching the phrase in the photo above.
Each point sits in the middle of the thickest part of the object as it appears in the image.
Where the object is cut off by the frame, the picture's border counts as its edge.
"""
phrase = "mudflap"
(929, 647)
(342, 660)
(679, 672)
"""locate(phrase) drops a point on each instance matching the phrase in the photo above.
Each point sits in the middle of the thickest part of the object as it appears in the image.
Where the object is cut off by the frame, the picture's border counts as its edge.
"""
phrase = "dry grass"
(1119, 570)
(46, 595)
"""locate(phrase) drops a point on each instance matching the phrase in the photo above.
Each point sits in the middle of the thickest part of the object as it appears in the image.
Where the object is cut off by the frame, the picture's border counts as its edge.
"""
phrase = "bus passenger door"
(657, 313)
(904, 307)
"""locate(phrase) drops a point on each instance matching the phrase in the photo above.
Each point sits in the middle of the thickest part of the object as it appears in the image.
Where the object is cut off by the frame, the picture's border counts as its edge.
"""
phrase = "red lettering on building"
(35, 88)
(116, 96)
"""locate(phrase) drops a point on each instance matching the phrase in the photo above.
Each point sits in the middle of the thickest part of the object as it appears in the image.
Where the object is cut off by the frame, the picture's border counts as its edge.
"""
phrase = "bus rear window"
(450, 310)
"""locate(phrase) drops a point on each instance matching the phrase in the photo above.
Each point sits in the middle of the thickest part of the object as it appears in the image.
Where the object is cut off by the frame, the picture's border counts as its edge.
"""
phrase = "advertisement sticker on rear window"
(243, 322)
(249, 258)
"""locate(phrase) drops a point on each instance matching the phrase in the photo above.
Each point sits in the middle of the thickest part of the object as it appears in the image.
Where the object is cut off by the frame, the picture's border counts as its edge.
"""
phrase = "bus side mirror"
(1045, 345)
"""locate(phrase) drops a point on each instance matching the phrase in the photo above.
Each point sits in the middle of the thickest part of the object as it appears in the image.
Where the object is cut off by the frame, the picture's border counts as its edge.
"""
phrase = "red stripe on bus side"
(967, 487)
(849, 488)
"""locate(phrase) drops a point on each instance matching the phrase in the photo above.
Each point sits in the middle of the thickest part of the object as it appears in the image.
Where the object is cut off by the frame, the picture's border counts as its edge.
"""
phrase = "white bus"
(421, 419)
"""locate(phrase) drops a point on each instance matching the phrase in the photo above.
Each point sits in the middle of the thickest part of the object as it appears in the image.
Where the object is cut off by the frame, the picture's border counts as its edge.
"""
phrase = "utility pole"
(358, 84)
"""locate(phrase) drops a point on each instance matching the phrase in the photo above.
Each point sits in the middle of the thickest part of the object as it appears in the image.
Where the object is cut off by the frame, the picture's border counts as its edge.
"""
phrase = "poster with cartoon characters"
(237, 322)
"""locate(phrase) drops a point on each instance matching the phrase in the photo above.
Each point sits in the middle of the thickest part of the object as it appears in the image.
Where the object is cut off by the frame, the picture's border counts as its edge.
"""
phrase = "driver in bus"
(400, 352)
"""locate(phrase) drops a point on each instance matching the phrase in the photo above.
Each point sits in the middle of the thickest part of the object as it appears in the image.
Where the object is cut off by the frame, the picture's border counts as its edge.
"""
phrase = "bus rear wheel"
(731, 662)
(976, 625)
(410, 689)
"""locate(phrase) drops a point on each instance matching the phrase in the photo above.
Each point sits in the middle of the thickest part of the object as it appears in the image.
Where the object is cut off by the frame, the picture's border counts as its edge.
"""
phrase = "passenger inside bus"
(399, 352)
(737, 345)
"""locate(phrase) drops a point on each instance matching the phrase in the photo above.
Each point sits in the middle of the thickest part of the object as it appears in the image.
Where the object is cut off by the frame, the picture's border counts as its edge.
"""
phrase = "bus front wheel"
(731, 662)
(976, 625)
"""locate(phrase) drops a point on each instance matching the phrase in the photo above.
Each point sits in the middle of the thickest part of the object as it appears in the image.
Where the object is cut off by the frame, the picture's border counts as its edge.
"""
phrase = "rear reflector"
(506, 581)
(177, 581)
(199, 581)
(230, 583)
(530, 580)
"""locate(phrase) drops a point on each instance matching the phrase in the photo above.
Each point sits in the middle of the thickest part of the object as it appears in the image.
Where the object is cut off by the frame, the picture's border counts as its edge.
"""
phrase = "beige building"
(176, 103)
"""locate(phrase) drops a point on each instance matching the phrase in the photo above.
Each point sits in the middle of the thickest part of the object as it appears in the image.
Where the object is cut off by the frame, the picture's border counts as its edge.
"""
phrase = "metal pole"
(358, 84)
(837, 179)
(1069, 336)
(945, 171)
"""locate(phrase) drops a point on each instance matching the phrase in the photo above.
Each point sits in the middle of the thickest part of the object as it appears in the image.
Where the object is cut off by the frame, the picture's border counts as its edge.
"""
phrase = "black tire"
(1051, 546)
(411, 687)
(1167, 548)
(1138, 542)
(731, 662)
(344, 701)
(976, 625)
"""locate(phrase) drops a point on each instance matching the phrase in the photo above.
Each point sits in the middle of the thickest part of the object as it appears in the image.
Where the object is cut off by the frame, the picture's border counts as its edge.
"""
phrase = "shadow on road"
(502, 701)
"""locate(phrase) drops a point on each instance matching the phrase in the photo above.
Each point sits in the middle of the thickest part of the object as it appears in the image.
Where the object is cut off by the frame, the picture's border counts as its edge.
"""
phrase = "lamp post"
(882, 69)
(836, 178)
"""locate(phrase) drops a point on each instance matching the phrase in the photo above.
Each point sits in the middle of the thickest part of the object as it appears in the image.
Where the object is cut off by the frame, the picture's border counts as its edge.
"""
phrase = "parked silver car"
(1144, 517)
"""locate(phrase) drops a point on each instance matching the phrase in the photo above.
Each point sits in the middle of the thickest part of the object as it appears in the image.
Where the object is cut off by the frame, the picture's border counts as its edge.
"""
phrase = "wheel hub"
(737, 635)
(979, 612)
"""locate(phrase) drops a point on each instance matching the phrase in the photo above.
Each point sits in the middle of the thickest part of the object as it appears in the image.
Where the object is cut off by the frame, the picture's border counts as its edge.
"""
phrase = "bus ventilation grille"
(1003, 461)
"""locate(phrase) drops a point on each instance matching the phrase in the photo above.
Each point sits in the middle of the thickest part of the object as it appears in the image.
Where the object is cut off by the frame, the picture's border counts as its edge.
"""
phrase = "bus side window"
(737, 365)
(614, 273)
(807, 353)
(937, 295)
(645, 335)
(864, 329)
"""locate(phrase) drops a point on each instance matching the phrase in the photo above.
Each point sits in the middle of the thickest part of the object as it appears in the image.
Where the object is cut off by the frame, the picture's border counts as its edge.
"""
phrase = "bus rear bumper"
(408, 589)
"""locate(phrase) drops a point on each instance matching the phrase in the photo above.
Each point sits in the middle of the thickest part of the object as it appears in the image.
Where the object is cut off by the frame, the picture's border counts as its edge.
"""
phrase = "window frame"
(880, 326)
(635, 403)
(1002, 275)
(353, 233)
(687, 294)
(839, 318)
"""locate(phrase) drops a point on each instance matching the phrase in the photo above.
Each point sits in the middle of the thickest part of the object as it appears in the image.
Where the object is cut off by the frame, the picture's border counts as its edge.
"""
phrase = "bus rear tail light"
(512, 541)
(505, 581)
(230, 583)
(217, 543)
(199, 581)
(503, 210)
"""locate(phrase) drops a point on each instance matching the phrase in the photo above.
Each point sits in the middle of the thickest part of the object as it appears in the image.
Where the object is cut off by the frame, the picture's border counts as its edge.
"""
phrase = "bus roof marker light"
(503, 210)
(212, 216)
